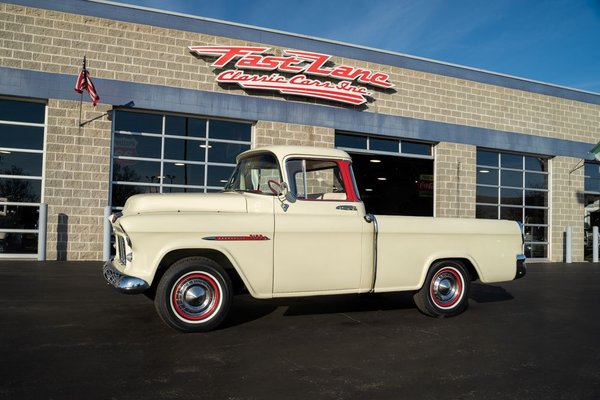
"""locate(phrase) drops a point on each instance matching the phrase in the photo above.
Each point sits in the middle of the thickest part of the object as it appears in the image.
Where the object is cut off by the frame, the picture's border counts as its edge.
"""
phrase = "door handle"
(346, 208)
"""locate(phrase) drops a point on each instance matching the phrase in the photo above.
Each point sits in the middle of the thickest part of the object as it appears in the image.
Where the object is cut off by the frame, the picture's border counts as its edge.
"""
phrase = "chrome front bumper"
(123, 283)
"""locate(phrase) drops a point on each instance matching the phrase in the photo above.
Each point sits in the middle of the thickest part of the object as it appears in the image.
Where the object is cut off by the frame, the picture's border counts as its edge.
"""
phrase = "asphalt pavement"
(65, 334)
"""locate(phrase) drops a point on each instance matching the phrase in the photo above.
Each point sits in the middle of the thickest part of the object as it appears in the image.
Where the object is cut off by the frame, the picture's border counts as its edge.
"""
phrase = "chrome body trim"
(123, 283)
(370, 218)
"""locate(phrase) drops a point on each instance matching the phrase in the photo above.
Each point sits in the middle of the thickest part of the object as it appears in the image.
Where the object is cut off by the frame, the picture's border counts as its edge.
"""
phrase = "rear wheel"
(445, 292)
(194, 295)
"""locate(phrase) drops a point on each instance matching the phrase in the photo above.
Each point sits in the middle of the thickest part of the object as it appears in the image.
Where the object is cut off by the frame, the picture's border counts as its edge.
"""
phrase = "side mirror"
(285, 191)
(281, 189)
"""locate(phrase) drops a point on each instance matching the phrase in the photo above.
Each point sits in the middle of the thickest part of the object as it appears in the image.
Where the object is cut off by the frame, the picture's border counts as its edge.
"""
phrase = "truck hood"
(185, 202)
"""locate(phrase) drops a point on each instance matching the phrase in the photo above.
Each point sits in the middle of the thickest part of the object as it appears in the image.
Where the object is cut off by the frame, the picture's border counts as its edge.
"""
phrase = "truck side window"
(252, 174)
(316, 180)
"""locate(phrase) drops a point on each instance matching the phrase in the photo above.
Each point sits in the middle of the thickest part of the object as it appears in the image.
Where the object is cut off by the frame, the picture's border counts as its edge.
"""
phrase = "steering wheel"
(274, 186)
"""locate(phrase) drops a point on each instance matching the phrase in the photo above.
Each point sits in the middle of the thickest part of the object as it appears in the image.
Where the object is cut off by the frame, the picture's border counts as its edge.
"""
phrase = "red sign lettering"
(302, 63)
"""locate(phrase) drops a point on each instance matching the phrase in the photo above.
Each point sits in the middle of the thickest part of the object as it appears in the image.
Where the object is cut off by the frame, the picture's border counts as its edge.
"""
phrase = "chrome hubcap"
(446, 287)
(195, 297)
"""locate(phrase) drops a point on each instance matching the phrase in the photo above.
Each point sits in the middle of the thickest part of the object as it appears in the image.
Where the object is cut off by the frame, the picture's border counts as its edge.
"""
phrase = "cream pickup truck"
(290, 223)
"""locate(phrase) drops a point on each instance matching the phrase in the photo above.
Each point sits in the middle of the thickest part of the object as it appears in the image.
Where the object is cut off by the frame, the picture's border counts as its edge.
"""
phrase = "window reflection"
(225, 152)
(17, 163)
(136, 171)
(487, 158)
(392, 146)
(383, 144)
(592, 177)
(487, 176)
(187, 150)
(514, 214)
(137, 146)
(511, 178)
(120, 193)
(590, 219)
(523, 191)
(536, 198)
(229, 130)
(512, 196)
(536, 164)
(21, 155)
(487, 194)
(511, 161)
(138, 122)
(183, 174)
(25, 137)
(181, 155)
(350, 141)
(20, 190)
(219, 176)
(536, 181)
(22, 111)
(486, 212)
(423, 149)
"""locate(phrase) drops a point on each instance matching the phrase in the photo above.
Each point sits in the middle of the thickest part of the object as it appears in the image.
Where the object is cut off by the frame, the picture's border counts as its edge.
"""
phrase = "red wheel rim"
(446, 289)
(196, 297)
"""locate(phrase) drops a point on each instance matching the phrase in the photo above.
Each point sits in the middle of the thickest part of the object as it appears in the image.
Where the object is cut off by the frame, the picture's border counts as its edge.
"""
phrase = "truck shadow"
(483, 293)
(246, 309)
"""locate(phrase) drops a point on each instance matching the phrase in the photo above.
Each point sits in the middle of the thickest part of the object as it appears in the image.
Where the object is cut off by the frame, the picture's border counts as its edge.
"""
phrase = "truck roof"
(284, 151)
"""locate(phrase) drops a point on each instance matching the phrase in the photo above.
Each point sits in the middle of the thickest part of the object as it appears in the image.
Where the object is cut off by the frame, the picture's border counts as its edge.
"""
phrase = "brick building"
(439, 140)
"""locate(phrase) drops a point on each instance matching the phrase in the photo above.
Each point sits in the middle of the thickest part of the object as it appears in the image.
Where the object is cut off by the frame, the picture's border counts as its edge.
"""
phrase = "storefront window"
(22, 125)
(515, 187)
(591, 204)
(156, 153)
(350, 141)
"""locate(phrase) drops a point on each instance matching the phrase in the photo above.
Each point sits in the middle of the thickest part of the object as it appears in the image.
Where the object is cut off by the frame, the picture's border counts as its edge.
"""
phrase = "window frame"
(161, 186)
(337, 164)
(4, 205)
(523, 208)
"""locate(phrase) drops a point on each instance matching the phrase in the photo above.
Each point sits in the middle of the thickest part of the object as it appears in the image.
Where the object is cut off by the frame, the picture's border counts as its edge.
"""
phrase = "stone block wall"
(566, 207)
(268, 133)
(455, 179)
(77, 169)
(52, 41)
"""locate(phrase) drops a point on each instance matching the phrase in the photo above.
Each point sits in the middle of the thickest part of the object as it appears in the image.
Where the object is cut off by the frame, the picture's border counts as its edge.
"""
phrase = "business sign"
(344, 84)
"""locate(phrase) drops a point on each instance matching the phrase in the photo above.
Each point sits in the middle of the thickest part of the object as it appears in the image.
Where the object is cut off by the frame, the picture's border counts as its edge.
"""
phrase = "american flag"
(84, 82)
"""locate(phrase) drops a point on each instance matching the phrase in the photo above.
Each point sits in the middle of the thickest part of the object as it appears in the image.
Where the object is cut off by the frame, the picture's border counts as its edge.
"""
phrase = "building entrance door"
(394, 185)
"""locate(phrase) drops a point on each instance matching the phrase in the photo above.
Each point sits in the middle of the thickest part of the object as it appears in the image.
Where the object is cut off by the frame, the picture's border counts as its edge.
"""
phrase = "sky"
(553, 41)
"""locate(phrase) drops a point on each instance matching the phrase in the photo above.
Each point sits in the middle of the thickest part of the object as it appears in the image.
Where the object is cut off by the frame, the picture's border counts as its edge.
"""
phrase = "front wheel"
(194, 295)
(445, 292)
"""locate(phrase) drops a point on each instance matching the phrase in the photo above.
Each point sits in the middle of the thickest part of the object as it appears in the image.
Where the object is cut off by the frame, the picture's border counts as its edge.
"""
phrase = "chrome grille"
(121, 249)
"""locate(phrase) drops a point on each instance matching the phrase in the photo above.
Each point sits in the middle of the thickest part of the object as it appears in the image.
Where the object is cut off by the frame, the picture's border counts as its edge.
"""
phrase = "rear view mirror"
(281, 189)
(285, 190)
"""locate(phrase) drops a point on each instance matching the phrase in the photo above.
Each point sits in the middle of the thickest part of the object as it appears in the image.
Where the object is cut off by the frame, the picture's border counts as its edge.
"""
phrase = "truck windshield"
(253, 173)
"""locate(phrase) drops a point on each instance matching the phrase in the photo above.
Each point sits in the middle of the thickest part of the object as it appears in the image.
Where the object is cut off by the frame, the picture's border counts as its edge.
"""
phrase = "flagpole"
(81, 97)
(80, 107)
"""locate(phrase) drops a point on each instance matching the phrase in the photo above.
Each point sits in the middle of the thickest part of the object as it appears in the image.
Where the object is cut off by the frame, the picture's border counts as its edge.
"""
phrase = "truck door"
(317, 241)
